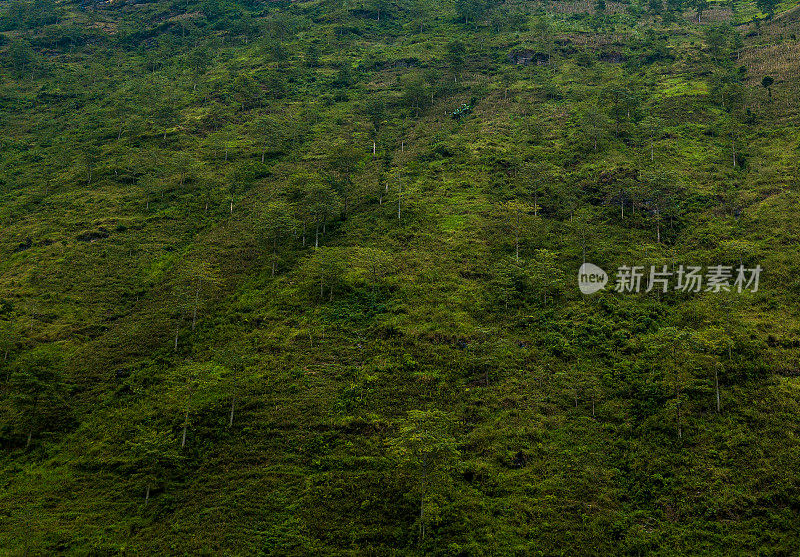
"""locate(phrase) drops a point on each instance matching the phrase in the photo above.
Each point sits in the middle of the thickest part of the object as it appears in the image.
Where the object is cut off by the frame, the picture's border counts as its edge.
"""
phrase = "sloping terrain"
(298, 278)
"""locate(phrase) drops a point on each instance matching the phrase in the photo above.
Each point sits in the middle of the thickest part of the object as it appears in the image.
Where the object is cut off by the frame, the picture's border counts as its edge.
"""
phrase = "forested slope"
(301, 277)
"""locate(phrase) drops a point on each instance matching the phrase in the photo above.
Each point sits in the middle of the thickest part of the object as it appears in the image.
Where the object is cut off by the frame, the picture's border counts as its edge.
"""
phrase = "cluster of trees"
(21, 15)
(691, 371)
(767, 7)
(425, 452)
(37, 394)
(155, 452)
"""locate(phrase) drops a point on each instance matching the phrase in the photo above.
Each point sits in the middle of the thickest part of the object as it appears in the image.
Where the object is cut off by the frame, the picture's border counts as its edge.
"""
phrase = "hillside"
(294, 278)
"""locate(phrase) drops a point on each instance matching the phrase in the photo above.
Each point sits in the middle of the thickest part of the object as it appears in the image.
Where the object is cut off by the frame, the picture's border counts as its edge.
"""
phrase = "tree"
(165, 109)
(507, 79)
(726, 88)
(737, 43)
(276, 134)
(592, 385)
(198, 60)
(245, 91)
(315, 203)
(344, 77)
(244, 27)
(180, 164)
(154, 454)
(203, 274)
(717, 41)
(600, 6)
(322, 205)
(371, 265)
(660, 194)
(212, 9)
(415, 92)
(119, 109)
(379, 7)
(274, 85)
(275, 48)
(195, 274)
(766, 83)
(593, 126)
(455, 55)
(767, 7)
(27, 15)
(649, 130)
(545, 275)
(9, 333)
(324, 271)
(674, 7)
(711, 343)
(583, 378)
(311, 57)
(90, 156)
(238, 176)
(510, 283)
(622, 104)
(654, 47)
(700, 6)
(375, 111)
(194, 385)
(469, 10)
(279, 27)
(669, 349)
(232, 360)
(504, 19)
(732, 129)
(342, 161)
(274, 222)
(22, 57)
(421, 11)
(516, 218)
(36, 392)
(543, 34)
(402, 178)
(424, 452)
(618, 188)
(537, 172)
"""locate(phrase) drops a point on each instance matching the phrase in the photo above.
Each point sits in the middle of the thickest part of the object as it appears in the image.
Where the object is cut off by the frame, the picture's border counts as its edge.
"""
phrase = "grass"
(563, 411)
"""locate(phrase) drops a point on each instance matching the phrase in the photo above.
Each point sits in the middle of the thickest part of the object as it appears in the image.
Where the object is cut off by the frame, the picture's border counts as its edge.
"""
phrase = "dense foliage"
(301, 277)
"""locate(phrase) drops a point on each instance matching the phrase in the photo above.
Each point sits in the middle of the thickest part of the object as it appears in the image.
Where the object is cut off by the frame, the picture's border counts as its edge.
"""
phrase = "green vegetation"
(296, 278)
